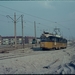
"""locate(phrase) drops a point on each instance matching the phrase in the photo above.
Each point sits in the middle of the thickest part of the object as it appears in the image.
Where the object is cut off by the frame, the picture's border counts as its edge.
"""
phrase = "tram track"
(26, 53)
(12, 56)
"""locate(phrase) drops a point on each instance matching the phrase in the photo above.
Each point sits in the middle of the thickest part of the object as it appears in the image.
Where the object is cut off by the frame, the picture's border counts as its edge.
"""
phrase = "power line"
(37, 23)
(48, 25)
(27, 14)
(67, 20)
(27, 25)
(3, 20)
(31, 15)
(66, 28)
(14, 20)
(28, 21)
(3, 11)
(44, 24)
(40, 23)
(2, 15)
(62, 25)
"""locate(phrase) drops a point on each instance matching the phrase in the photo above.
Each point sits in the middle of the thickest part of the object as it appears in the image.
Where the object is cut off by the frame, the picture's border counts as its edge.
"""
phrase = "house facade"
(28, 39)
(10, 40)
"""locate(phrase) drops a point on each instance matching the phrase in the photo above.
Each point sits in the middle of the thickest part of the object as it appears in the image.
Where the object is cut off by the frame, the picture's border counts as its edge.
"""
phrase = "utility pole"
(22, 30)
(35, 32)
(14, 26)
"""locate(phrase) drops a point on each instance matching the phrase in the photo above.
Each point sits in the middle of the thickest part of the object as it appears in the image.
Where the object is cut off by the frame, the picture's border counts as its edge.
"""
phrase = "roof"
(11, 36)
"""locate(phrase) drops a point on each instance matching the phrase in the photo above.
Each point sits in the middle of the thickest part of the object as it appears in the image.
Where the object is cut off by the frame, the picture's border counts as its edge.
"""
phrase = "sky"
(46, 14)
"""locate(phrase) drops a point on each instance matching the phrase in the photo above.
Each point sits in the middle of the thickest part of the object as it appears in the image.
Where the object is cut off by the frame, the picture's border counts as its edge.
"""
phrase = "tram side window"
(57, 39)
(66, 41)
(53, 39)
(44, 39)
(60, 40)
(63, 40)
(48, 39)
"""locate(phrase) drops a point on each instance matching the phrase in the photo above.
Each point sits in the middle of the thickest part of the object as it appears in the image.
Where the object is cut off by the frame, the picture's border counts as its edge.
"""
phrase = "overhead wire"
(31, 15)
(70, 33)
(37, 27)
(4, 20)
(40, 23)
(28, 21)
(17, 10)
(3, 11)
(26, 13)
(49, 26)
(37, 23)
(67, 20)
(2, 15)
(62, 25)
(25, 25)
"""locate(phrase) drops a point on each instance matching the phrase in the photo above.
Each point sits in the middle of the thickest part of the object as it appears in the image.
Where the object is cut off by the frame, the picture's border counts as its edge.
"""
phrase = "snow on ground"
(40, 62)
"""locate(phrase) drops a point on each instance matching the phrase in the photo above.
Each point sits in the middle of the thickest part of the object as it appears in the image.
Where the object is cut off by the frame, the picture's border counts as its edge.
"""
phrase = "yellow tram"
(51, 41)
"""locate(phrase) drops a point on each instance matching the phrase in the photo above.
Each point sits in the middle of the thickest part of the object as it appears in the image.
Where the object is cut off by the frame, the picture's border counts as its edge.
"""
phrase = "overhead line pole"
(35, 31)
(22, 31)
(14, 27)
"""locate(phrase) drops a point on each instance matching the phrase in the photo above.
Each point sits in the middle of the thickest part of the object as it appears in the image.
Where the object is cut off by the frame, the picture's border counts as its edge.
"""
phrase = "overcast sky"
(47, 14)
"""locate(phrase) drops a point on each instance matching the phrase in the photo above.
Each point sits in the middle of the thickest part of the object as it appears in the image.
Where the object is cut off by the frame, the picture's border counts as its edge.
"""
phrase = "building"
(28, 39)
(10, 40)
(38, 40)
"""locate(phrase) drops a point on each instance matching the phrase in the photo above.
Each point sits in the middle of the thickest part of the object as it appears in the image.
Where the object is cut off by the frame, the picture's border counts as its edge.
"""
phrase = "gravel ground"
(36, 61)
